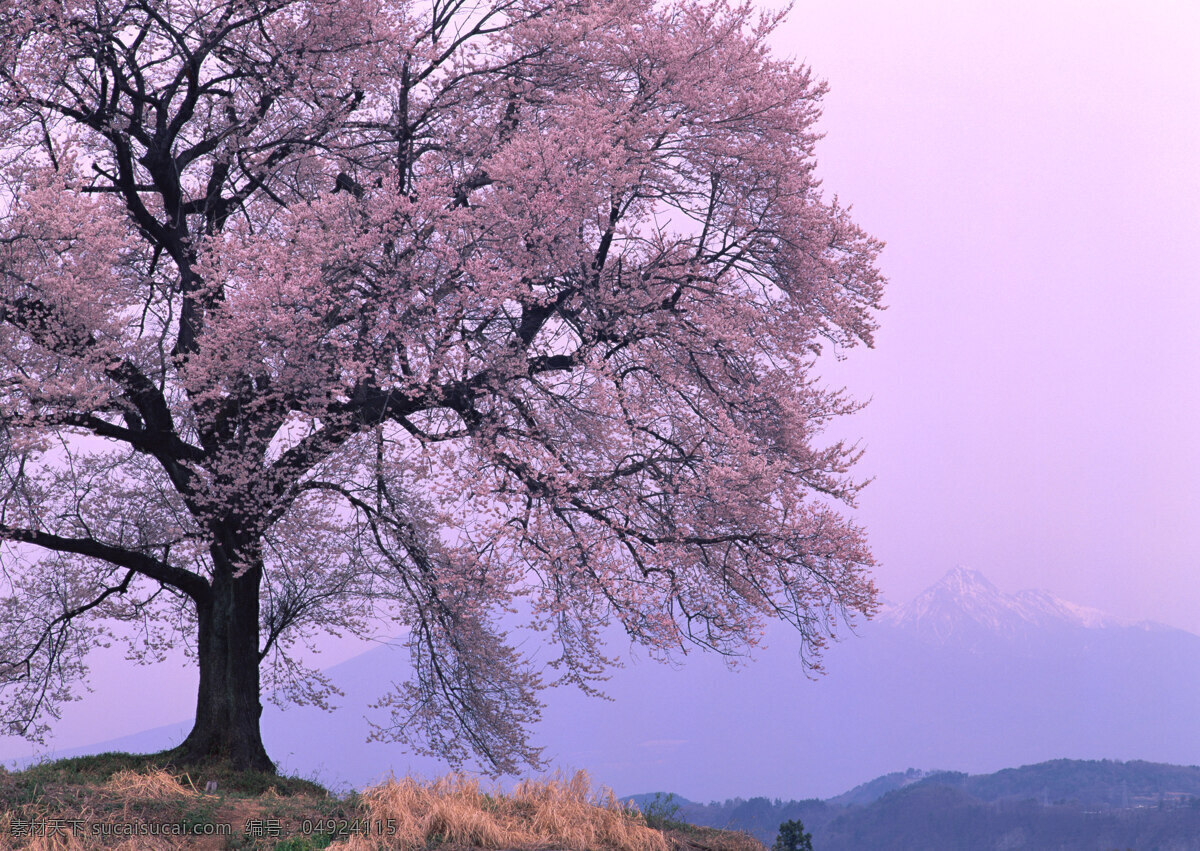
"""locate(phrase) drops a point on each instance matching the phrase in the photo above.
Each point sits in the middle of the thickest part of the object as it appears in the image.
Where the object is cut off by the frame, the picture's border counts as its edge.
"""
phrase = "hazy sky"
(1035, 171)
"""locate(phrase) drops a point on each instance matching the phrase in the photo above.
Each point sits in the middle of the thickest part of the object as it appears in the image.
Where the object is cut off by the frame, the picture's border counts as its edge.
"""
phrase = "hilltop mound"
(128, 802)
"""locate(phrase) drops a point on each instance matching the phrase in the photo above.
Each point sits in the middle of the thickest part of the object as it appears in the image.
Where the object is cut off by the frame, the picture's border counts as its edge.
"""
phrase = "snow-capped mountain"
(965, 606)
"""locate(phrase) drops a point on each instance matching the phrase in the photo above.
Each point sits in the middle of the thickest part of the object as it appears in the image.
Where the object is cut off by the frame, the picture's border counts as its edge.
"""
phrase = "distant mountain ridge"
(873, 790)
(964, 676)
(1060, 804)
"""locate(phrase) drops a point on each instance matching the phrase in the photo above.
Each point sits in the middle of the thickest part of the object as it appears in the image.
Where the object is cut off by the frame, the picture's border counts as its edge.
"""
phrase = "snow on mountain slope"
(965, 605)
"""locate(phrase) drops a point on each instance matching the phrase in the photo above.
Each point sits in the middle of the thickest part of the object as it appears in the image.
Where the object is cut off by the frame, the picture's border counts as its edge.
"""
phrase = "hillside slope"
(1061, 804)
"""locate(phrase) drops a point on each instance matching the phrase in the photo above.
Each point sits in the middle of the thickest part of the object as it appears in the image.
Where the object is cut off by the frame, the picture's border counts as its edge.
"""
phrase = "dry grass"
(132, 803)
(558, 812)
(450, 814)
(72, 843)
(158, 785)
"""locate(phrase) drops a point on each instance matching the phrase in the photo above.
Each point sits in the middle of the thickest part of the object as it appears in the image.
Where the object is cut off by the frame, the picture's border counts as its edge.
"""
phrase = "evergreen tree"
(792, 837)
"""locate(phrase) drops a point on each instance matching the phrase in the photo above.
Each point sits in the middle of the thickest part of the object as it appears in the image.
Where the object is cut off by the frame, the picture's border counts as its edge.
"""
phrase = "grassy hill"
(143, 803)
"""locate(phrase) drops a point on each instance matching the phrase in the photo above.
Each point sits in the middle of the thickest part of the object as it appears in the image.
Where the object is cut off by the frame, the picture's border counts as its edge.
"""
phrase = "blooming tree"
(315, 313)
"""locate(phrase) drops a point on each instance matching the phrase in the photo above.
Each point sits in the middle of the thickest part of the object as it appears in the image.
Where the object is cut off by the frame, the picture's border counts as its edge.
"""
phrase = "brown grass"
(558, 812)
(450, 814)
(158, 785)
(72, 843)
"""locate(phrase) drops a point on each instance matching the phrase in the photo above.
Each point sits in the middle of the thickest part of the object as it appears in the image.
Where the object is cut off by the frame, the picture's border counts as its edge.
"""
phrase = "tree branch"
(189, 583)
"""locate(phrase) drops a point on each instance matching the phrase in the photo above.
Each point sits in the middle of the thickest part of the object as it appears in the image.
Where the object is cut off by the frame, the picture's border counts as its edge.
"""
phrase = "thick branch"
(189, 583)
(154, 434)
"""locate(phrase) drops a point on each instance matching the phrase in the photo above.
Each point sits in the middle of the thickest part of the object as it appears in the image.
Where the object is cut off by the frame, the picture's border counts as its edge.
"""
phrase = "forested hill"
(1062, 804)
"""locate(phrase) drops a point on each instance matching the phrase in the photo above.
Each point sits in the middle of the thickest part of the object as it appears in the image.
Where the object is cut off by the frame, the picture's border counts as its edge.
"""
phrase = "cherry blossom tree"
(329, 315)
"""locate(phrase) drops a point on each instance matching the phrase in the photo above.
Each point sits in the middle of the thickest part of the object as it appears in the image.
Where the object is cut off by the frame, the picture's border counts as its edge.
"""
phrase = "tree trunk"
(228, 707)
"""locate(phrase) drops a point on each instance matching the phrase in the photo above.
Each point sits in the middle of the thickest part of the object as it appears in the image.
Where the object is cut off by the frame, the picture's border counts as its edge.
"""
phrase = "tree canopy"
(319, 315)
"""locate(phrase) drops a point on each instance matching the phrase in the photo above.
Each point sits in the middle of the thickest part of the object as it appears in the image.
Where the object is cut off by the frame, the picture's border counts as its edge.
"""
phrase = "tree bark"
(228, 706)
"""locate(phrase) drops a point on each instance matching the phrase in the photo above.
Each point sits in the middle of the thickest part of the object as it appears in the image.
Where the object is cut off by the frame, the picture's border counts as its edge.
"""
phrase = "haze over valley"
(964, 677)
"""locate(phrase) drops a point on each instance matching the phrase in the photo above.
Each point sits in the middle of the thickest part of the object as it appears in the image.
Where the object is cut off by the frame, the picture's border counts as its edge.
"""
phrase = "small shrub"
(662, 811)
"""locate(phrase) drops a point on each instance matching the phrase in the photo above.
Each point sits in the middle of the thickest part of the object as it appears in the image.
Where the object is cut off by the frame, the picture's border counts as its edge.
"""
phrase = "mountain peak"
(965, 605)
(962, 580)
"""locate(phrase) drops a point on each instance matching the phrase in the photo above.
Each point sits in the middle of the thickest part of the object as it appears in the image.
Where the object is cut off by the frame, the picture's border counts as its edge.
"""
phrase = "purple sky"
(1035, 170)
